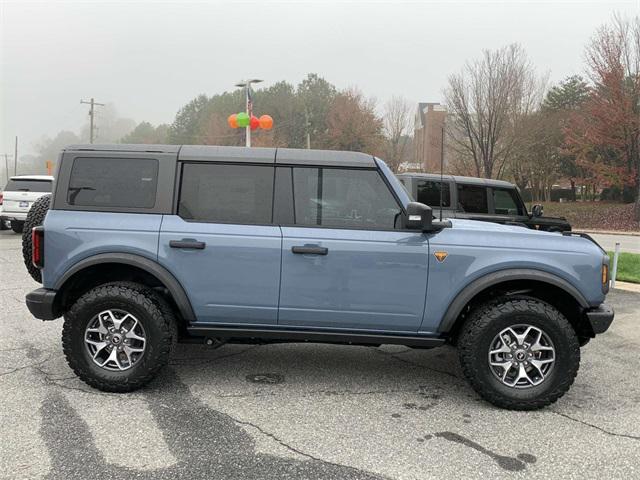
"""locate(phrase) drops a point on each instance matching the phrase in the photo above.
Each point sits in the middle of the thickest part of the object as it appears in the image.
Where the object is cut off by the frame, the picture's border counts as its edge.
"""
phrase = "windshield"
(28, 185)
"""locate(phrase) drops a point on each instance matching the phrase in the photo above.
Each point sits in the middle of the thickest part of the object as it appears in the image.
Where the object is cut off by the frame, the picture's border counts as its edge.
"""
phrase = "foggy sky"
(150, 58)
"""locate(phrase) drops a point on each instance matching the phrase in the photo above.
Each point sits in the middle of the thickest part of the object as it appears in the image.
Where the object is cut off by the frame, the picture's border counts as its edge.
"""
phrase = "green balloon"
(243, 119)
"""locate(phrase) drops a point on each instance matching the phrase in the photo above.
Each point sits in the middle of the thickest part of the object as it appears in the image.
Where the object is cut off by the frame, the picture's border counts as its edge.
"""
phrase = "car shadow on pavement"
(205, 442)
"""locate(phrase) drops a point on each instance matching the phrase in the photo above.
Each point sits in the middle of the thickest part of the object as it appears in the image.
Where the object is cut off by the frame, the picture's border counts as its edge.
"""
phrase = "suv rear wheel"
(118, 336)
(17, 226)
(519, 353)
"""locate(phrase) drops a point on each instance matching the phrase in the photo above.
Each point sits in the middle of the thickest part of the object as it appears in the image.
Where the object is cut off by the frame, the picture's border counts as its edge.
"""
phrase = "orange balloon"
(266, 122)
(232, 120)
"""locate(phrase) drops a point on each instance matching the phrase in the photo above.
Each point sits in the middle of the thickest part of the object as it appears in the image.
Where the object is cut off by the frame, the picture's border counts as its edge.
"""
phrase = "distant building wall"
(430, 119)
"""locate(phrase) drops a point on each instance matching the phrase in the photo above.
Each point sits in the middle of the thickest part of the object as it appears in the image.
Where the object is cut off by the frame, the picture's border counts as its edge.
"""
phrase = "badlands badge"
(440, 256)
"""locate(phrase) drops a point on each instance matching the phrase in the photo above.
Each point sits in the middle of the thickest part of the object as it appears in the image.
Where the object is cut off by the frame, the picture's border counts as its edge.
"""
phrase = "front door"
(222, 246)
(344, 265)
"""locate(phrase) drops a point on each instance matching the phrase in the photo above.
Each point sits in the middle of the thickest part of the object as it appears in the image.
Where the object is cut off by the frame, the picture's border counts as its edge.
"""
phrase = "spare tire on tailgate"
(35, 217)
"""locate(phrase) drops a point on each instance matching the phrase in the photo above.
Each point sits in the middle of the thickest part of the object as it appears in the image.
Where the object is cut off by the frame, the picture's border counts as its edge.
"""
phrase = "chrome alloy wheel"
(521, 356)
(115, 340)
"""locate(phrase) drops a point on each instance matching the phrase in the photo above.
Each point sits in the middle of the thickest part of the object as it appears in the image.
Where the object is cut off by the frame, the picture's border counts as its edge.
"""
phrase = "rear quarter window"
(472, 198)
(19, 185)
(113, 182)
(429, 193)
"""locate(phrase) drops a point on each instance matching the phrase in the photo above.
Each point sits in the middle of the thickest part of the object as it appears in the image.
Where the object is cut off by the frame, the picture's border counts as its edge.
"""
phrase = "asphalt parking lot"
(305, 411)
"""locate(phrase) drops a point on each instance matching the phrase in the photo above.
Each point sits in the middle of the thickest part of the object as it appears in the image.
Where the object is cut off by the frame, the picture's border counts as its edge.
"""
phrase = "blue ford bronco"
(141, 246)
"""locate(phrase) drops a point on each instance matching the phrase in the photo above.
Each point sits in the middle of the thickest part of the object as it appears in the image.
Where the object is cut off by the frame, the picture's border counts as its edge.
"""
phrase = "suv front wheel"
(519, 352)
(117, 337)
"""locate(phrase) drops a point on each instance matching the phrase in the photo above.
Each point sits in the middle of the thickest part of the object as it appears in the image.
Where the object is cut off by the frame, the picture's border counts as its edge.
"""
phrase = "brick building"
(427, 139)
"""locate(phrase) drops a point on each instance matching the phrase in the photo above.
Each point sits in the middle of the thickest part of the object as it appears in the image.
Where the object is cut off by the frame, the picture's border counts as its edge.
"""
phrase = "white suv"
(18, 196)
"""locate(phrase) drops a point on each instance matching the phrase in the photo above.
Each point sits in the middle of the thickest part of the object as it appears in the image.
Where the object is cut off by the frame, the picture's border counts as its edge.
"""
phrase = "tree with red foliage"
(353, 124)
(604, 134)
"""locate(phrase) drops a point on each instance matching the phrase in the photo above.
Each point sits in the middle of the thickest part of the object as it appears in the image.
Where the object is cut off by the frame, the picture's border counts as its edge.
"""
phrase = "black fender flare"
(490, 279)
(154, 268)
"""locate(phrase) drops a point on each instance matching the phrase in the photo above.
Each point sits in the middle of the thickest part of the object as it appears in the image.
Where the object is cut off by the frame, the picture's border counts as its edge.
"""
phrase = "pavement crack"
(31, 365)
(591, 425)
(294, 449)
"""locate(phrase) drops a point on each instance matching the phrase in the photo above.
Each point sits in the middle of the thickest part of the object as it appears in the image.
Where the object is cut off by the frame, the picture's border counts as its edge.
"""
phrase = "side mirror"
(419, 217)
(537, 210)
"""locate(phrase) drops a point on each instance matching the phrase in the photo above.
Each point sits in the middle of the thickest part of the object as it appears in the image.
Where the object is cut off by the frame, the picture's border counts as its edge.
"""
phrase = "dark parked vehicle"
(141, 246)
(479, 199)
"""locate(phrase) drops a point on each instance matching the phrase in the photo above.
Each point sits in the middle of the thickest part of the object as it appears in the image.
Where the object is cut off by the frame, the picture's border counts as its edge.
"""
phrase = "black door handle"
(310, 250)
(187, 244)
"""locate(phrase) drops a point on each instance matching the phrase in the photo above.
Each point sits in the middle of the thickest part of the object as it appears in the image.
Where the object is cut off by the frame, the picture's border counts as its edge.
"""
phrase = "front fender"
(495, 278)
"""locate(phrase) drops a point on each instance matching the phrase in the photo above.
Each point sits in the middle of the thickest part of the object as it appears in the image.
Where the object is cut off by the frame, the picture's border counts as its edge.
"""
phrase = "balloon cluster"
(242, 119)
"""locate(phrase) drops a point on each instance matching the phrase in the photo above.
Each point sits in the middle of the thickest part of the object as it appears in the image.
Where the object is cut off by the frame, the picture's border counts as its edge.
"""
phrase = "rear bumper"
(600, 318)
(16, 216)
(42, 304)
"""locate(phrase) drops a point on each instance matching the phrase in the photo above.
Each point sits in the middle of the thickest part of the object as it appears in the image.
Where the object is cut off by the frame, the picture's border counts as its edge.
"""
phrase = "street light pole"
(248, 105)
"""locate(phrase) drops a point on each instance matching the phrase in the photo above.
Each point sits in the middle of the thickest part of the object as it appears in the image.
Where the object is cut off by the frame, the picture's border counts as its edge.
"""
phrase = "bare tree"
(398, 120)
(487, 103)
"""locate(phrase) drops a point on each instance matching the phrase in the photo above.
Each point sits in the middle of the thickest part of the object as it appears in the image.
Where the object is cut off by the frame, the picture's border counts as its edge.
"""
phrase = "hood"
(494, 227)
(510, 236)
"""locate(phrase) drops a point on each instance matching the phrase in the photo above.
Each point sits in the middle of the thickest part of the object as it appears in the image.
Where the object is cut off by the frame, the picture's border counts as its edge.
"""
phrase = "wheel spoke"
(505, 373)
(523, 375)
(99, 347)
(521, 337)
(127, 352)
(503, 349)
(133, 349)
(541, 348)
(102, 316)
(131, 334)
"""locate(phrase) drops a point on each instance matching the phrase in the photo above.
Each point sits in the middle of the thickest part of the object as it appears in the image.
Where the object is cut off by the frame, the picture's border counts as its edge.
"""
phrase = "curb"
(627, 286)
(609, 232)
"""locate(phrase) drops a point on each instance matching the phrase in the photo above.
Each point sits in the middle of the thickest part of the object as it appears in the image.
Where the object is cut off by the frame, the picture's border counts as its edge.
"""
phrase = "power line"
(93, 104)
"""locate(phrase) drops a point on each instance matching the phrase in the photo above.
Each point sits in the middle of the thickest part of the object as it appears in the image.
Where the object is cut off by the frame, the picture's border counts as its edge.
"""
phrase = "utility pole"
(246, 84)
(307, 126)
(15, 157)
(6, 164)
(92, 111)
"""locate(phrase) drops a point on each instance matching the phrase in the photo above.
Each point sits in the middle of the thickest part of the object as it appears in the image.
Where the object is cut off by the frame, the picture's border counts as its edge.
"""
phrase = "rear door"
(222, 245)
(345, 265)
(20, 193)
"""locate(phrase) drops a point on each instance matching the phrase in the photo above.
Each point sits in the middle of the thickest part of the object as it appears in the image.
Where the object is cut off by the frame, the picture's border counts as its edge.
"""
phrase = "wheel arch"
(106, 267)
(544, 285)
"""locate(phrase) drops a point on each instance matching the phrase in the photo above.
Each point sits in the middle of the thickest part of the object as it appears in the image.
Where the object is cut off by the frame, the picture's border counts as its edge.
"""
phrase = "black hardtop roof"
(285, 156)
(489, 182)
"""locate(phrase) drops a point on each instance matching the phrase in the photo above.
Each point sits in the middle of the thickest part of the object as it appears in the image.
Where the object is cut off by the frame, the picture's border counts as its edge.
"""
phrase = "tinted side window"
(347, 198)
(504, 202)
(429, 193)
(472, 199)
(113, 182)
(226, 193)
(19, 185)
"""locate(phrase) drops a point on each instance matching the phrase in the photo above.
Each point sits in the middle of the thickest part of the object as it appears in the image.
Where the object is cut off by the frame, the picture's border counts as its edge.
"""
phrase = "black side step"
(314, 336)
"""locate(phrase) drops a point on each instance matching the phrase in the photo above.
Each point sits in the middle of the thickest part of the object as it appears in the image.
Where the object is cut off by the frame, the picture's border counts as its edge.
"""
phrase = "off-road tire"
(17, 227)
(148, 307)
(35, 217)
(487, 321)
